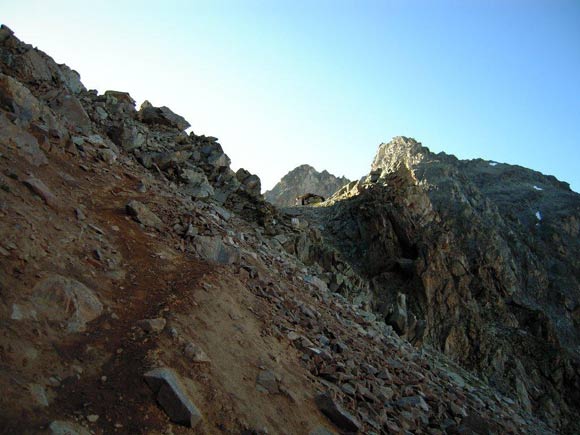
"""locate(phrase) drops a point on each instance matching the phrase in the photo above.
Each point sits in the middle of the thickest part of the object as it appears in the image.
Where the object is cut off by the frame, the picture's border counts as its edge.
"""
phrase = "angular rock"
(71, 79)
(321, 430)
(17, 98)
(215, 250)
(143, 215)
(196, 183)
(152, 325)
(71, 111)
(196, 353)
(341, 418)
(59, 427)
(250, 182)
(411, 402)
(398, 317)
(62, 299)
(38, 187)
(163, 116)
(267, 382)
(38, 393)
(25, 143)
(173, 397)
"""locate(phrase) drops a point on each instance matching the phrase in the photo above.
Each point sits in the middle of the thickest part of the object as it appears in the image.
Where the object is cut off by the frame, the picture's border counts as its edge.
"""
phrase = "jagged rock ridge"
(302, 180)
(476, 258)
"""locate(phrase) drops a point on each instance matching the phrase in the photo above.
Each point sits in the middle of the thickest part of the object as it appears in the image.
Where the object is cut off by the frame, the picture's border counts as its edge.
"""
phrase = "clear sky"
(324, 82)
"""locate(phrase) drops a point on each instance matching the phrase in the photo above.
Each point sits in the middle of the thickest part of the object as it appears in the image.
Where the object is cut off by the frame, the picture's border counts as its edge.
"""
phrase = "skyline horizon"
(472, 81)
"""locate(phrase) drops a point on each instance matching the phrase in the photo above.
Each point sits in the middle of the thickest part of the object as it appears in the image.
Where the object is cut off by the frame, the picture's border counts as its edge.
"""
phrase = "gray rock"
(163, 116)
(215, 250)
(195, 353)
(398, 317)
(413, 402)
(71, 79)
(59, 427)
(348, 389)
(152, 325)
(219, 159)
(250, 182)
(196, 183)
(128, 135)
(5, 33)
(17, 98)
(25, 143)
(143, 215)
(107, 155)
(171, 159)
(173, 397)
(267, 382)
(38, 393)
(341, 418)
(42, 190)
(60, 299)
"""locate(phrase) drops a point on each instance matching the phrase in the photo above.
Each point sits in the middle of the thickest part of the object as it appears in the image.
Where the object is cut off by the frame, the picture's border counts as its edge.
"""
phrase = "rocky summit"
(303, 180)
(147, 288)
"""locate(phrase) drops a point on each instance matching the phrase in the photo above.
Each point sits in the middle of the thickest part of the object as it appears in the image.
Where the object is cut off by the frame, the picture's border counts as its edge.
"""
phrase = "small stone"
(107, 155)
(196, 353)
(143, 215)
(457, 410)
(59, 427)
(267, 381)
(39, 394)
(348, 389)
(92, 418)
(369, 369)
(293, 336)
(152, 325)
(80, 214)
(41, 190)
(412, 402)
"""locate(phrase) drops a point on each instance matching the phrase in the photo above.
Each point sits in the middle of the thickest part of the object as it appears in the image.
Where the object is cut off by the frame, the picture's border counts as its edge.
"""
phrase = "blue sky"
(282, 83)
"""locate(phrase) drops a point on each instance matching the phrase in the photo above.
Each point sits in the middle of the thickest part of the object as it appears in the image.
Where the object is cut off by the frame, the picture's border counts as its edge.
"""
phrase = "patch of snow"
(537, 188)
(539, 215)
(492, 163)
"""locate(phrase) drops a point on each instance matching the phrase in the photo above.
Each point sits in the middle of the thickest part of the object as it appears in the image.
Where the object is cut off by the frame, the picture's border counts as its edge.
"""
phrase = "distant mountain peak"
(302, 180)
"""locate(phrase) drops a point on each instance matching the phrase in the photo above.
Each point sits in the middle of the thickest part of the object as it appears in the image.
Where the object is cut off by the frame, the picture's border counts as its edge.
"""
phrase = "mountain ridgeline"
(148, 288)
(303, 180)
(476, 258)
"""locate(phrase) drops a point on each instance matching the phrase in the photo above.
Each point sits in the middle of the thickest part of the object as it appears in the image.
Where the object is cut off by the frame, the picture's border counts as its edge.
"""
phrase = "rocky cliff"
(476, 258)
(302, 180)
(148, 288)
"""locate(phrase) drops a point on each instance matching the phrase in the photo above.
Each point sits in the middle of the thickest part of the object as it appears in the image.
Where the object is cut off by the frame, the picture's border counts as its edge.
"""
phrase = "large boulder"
(143, 215)
(163, 116)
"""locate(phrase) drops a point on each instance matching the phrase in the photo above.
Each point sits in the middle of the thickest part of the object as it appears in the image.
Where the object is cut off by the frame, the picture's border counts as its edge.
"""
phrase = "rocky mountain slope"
(302, 180)
(147, 288)
(476, 258)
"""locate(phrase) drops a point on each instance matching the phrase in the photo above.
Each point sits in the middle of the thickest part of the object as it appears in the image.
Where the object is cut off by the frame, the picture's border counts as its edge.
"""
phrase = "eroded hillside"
(148, 288)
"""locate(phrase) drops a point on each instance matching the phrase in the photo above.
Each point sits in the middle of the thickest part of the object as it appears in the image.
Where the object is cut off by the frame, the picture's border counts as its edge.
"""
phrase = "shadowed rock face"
(488, 257)
(302, 180)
